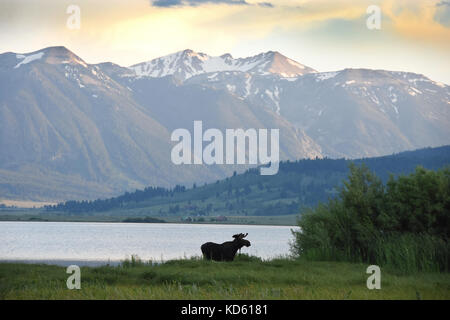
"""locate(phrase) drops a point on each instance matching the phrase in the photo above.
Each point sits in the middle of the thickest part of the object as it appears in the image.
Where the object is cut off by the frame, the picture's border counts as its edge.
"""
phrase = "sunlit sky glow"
(323, 34)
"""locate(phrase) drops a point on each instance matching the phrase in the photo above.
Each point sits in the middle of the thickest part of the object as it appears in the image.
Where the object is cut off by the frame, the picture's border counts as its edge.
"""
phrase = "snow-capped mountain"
(70, 129)
(186, 64)
(352, 112)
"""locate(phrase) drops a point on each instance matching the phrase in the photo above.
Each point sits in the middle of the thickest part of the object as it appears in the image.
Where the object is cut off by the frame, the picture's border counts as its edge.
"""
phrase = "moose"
(225, 251)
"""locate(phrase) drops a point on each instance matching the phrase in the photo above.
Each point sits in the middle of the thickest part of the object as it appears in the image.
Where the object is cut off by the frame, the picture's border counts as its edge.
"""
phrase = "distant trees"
(174, 209)
(144, 220)
(116, 202)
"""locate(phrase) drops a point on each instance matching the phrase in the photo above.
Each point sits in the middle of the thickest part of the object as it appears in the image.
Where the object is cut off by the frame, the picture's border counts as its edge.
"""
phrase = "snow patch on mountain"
(325, 75)
(231, 88)
(213, 76)
(28, 59)
(248, 86)
(413, 91)
(274, 96)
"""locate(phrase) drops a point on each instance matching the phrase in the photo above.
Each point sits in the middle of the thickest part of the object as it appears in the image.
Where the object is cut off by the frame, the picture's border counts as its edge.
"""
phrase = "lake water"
(94, 243)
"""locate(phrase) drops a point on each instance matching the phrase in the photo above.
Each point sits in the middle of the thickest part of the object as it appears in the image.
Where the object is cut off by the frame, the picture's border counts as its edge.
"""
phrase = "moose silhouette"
(225, 251)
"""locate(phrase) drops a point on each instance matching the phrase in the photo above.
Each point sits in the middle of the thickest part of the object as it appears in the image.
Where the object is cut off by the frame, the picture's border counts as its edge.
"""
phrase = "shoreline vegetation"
(403, 224)
(248, 277)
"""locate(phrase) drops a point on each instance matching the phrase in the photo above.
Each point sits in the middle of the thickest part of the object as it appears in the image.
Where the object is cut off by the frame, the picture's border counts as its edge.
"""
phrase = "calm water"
(89, 243)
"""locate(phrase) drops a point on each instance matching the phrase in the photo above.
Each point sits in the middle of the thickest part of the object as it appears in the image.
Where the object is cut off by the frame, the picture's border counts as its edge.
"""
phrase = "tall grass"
(409, 253)
(402, 254)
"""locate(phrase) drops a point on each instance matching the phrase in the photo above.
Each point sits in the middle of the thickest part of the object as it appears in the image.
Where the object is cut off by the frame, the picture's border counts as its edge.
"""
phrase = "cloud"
(165, 3)
(265, 4)
(443, 3)
(442, 14)
(193, 3)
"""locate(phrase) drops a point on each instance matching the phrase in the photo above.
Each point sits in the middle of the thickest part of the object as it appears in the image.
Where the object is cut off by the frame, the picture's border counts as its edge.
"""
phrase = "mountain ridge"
(107, 130)
(188, 63)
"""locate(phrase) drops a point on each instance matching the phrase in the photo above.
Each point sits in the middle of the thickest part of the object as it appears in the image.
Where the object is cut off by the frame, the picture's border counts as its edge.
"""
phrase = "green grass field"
(245, 278)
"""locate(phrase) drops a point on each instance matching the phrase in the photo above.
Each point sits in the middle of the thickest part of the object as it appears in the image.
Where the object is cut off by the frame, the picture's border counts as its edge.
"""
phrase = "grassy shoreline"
(286, 220)
(245, 278)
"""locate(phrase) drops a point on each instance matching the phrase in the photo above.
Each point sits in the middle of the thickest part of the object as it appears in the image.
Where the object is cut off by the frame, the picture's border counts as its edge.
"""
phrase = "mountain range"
(74, 130)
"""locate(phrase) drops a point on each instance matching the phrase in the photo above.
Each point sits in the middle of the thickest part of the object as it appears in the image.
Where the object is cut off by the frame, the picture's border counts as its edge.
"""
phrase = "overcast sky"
(323, 34)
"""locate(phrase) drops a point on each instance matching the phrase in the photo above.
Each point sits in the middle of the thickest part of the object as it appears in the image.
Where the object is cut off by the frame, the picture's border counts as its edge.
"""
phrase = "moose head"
(225, 251)
(239, 238)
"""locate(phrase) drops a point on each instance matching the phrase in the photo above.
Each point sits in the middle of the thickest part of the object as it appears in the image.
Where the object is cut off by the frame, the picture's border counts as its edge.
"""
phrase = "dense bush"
(404, 224)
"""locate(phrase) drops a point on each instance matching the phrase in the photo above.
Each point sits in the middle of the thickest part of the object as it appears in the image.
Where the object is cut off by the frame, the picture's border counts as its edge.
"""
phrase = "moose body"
(225, 251)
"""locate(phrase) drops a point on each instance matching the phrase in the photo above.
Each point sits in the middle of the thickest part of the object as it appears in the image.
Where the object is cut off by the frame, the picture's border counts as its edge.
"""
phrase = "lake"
(96, 243)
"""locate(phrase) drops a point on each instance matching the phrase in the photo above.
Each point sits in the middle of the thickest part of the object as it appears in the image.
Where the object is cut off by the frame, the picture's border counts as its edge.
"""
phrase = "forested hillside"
(298, 184)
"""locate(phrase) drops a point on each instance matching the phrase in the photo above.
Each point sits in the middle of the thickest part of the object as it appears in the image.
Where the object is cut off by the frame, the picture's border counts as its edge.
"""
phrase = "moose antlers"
(240, 236)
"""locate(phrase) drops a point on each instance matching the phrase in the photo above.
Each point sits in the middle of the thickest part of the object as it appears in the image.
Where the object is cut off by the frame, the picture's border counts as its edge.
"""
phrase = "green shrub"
(403, 225)
(135, 261)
